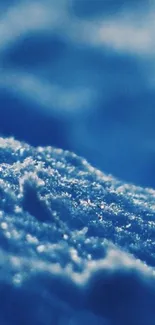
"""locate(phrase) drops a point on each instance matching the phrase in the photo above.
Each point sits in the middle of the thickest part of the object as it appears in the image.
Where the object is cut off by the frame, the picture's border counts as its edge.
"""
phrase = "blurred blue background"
(80, 75)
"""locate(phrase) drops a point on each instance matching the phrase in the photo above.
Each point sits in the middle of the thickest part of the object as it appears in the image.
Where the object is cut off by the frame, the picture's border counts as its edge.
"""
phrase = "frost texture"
(77, 246)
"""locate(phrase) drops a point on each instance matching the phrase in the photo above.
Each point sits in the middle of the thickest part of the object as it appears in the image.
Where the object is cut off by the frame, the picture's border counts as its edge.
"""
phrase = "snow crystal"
(77, 246)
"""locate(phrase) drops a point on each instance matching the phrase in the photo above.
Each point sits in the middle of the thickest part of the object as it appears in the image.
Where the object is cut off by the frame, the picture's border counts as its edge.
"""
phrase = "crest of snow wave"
(125, 30)
(52, 97)
(50, 18)
(129, 31)
(123, 27)
(121, 33)
(25, 17)
(77, 246)
(126, 36)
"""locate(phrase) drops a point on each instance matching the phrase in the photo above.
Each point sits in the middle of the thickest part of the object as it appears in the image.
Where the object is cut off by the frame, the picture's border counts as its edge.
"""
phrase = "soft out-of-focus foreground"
(80, 75)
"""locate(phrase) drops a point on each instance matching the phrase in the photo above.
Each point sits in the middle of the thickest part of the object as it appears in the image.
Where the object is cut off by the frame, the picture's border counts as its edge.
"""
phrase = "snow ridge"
(77, 246)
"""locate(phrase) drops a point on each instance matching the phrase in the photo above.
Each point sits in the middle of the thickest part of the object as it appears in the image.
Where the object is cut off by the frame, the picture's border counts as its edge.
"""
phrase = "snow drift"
(76, 245)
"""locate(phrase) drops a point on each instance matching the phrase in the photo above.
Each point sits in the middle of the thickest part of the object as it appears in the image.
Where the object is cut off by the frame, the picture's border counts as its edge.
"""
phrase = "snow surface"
(77, 246)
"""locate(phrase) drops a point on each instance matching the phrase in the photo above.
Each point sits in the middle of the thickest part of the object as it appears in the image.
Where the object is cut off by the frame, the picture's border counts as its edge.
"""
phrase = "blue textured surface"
(77, 246)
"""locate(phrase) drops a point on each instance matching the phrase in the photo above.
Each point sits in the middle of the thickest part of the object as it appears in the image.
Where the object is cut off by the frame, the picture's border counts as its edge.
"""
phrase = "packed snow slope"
(76, 246)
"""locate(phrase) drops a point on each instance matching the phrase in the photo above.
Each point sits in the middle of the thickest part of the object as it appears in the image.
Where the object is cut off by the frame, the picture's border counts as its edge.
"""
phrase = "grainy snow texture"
(77, 247)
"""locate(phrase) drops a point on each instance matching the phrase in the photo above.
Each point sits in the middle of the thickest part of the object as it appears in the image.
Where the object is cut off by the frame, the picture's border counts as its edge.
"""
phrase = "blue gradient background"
(80, 75)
